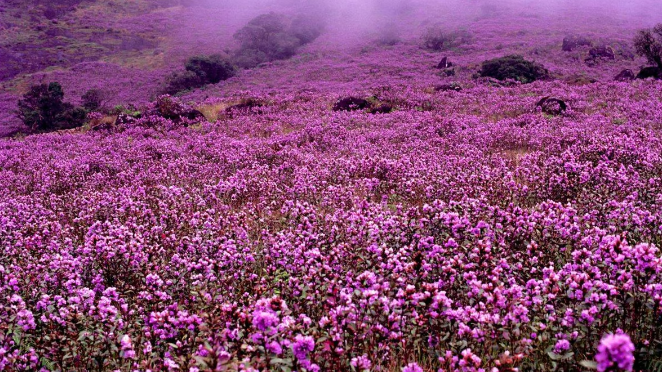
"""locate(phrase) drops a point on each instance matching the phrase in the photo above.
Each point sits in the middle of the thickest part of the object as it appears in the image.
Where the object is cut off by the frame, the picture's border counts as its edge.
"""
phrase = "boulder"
(625, 75)
(573, 42)
(552, 106)
(350, 104)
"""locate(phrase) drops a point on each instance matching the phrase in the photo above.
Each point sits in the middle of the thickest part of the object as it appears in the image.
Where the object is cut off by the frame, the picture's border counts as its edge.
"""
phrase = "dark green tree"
(42, 108)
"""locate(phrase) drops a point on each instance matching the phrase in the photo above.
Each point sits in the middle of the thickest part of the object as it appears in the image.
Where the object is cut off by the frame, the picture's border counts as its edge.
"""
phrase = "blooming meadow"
(464, 230)
(293, 237)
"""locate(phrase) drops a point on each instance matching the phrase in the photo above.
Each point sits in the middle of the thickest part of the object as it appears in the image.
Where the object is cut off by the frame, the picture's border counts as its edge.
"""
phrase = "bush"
(210, 69)
(42, 108)
(180, 81)
(438, 39)
(513, 67)
(93, 99)
(267, 38)
(648, 43)
(200, 71)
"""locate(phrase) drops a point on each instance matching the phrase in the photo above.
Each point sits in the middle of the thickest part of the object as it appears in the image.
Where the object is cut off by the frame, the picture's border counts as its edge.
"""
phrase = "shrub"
(648, 43)
(267, 38)
(437, 39)
(180, 81)
(93, 99)
(210, 69)
(513, 67)
(200, 71)
(42, 108)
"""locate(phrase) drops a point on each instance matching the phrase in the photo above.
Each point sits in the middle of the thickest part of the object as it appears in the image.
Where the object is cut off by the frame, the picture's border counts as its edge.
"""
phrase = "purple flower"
(615, 351)
(361, 363)
(262, 320)
(302, 345)
(274, 348)
(412, 367)
(561, 346)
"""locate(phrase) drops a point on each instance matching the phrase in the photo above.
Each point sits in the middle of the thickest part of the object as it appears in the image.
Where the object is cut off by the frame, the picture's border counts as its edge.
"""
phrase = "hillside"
(360, 206)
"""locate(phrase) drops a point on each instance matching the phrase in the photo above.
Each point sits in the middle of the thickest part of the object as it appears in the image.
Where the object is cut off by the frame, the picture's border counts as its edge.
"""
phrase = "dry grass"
(213, 112)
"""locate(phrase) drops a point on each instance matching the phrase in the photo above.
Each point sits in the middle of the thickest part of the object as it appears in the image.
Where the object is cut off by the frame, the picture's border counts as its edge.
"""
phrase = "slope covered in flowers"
(464, 231)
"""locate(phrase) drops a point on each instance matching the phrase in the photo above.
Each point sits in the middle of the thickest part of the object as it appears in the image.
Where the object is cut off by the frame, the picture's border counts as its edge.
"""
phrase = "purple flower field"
(455, 223)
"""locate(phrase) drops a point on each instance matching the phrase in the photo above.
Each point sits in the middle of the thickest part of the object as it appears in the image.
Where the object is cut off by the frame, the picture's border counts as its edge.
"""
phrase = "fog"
(352, 20)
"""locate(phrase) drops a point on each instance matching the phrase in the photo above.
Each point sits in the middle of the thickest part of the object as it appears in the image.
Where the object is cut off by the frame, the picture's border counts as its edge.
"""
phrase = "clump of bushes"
(513, 67)
(199, 71)
(437, 39)
(268, 37)
(42, 109)
(648, 44)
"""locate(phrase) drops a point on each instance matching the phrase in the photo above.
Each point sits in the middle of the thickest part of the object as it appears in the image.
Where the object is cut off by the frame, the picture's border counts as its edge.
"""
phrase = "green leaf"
(286, 362)
(589, 364)
(554, 356)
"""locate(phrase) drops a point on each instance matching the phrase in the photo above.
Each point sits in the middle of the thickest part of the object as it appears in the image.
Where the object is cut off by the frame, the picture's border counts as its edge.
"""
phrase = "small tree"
(42, 108)
(648, 43)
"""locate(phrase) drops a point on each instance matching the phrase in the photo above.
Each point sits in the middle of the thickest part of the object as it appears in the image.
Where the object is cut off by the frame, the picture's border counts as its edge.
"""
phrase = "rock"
(552, 106)
(350, 104)
(381, 109)
(650, 72)
(625, 75)
(573, 42)
(445, 63)
(448, 87)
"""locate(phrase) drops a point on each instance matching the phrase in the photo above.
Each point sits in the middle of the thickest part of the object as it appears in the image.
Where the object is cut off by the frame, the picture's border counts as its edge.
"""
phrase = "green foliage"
(513, 67)
(268, 37)
(200, 71)
(210, 69)
(42, 108)
(648, 43)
